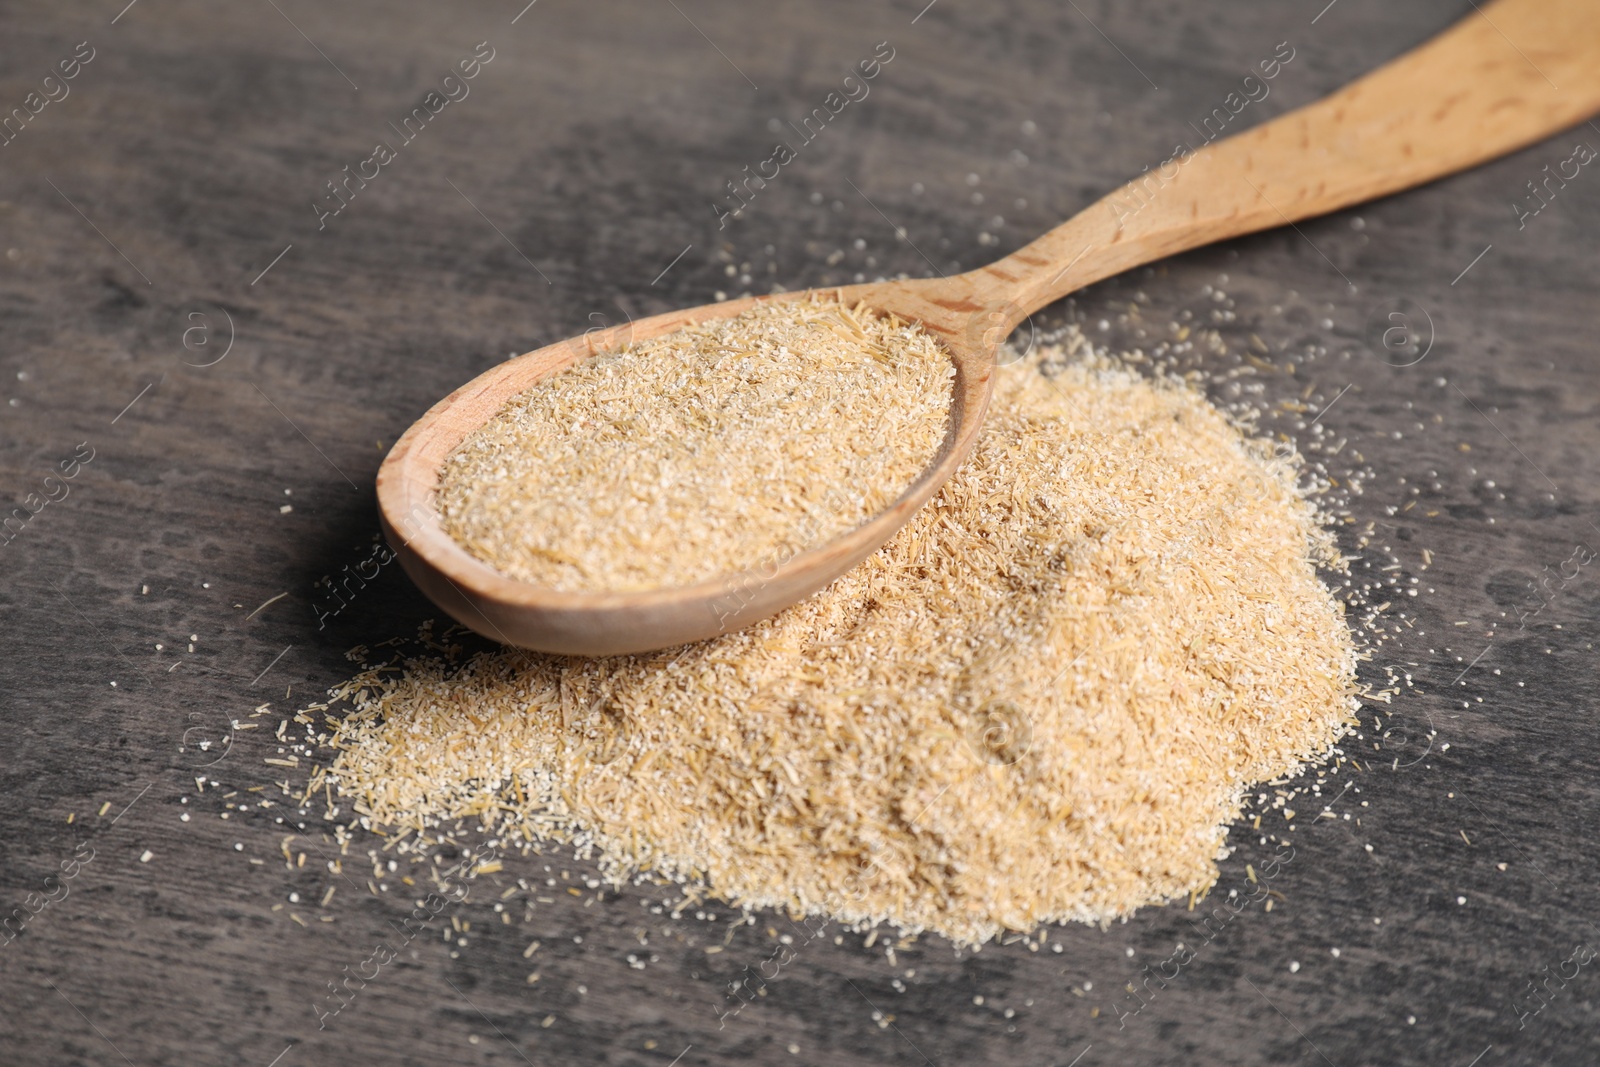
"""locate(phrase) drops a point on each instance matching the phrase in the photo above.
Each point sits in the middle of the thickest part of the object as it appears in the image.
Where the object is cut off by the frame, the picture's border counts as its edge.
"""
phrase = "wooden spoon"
(1511, 73)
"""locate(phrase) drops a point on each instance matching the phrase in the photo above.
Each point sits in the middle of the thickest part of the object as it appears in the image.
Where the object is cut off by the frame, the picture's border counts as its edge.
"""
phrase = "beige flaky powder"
(1039, 702)
(714, 449)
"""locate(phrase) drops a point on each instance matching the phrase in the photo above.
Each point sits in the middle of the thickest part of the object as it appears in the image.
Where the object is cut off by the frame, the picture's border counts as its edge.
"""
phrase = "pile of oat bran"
(1039, 702)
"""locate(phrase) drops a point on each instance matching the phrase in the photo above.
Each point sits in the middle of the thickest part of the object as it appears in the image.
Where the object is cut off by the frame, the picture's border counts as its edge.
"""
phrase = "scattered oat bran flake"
(1041, 701)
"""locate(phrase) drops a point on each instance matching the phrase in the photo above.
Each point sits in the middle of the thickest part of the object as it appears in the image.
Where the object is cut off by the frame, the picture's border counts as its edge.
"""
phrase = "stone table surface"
(221, 363)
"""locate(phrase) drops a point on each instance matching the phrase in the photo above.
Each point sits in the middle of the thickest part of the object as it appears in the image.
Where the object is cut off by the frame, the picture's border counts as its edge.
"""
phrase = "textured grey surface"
(597, 141)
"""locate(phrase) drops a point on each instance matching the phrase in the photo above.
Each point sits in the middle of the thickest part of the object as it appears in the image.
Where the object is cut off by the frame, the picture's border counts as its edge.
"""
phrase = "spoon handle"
(1511, 73)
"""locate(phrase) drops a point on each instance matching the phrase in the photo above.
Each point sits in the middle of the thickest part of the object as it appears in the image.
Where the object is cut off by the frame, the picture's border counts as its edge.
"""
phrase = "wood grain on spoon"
(1512, 73)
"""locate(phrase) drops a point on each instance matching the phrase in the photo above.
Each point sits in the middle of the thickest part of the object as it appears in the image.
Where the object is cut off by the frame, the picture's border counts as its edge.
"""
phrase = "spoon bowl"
(1464, 97)
(606, 623)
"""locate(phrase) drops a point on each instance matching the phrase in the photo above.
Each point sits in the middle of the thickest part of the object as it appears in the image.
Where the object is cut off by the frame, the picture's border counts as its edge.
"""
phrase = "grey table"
(195, 334)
